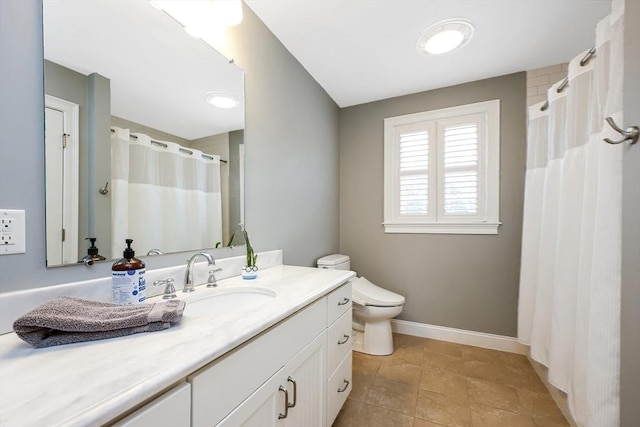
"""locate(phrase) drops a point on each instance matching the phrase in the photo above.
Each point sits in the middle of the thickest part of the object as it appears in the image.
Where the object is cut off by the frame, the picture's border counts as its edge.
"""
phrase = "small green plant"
(229, 243)
(251, 256)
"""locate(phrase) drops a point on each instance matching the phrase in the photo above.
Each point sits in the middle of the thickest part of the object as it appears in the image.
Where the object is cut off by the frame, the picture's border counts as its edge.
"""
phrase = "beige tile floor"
(429, 383)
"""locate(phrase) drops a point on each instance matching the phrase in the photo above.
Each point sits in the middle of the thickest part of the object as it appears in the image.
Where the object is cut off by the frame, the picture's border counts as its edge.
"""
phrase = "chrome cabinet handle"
(346, 338)
(295, 393)
(346, 384)
(344, 301)
(286, 404)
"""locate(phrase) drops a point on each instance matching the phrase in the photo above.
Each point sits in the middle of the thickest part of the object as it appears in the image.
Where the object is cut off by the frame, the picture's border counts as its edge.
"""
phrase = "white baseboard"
(460, 336)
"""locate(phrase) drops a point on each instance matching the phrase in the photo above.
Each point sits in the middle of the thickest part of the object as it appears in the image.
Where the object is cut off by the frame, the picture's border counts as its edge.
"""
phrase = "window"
(442, 170)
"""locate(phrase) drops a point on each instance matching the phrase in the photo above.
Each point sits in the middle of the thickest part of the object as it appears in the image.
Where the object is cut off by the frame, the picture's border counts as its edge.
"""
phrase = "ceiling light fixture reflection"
(445, 36)
(221, 100)
(229, 11)
(202, 13)
(203, 19)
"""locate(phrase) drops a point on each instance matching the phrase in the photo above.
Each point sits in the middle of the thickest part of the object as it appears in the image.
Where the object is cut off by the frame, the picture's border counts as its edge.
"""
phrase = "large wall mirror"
(135, 147)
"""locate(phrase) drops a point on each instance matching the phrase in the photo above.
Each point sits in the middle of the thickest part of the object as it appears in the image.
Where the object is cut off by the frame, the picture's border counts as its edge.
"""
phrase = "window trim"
(394, 223)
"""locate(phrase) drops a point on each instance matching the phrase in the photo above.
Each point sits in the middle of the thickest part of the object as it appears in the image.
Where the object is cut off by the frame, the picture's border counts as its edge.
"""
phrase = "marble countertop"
(89, 384)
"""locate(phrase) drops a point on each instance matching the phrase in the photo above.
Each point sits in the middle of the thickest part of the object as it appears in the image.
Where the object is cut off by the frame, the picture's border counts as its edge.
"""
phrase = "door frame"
(71, 175)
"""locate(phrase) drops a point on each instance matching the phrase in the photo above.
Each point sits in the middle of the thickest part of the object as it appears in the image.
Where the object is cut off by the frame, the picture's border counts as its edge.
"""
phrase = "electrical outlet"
(12, 232)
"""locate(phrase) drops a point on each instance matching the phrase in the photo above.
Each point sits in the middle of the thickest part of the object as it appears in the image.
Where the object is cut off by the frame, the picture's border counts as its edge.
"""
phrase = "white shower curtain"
(569, 304)
(162, 197)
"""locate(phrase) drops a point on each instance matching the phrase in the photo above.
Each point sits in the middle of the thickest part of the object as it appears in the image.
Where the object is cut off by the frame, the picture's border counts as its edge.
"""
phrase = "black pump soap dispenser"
(127, 278)
(92, 253)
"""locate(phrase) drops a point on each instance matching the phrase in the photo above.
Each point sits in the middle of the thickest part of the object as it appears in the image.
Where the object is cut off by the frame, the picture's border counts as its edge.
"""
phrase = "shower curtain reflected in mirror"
(164, 196)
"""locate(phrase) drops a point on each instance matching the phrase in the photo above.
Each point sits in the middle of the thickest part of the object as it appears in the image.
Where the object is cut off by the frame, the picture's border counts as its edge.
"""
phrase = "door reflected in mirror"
(124, 77)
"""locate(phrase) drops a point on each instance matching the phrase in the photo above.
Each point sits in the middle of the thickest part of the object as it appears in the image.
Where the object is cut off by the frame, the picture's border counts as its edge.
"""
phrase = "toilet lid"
(334, 259)
(366, 293)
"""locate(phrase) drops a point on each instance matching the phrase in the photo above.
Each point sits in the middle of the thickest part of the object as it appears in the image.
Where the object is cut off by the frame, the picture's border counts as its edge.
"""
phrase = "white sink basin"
(221, 301)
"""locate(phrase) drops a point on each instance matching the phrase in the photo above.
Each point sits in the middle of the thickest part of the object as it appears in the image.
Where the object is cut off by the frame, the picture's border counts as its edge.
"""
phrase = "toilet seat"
(366, 293)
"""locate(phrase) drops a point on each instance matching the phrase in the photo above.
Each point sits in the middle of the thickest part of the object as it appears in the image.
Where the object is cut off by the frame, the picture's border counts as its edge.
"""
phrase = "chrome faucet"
(188, 276)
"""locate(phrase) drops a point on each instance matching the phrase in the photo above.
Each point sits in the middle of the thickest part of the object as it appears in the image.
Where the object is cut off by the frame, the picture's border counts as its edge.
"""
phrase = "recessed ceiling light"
(221, 100)
(445, 36)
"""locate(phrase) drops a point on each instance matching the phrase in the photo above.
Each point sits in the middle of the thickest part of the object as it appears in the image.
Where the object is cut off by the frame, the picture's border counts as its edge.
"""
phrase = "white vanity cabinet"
(280, 377)
(277, 378)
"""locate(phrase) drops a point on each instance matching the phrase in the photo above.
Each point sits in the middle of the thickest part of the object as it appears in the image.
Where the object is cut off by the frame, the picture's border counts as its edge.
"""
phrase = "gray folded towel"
(67, 320)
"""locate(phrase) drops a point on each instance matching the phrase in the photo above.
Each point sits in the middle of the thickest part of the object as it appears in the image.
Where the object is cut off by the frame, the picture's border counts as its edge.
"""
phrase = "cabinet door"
(172, 408)
(293, 397)
(263, 408)
(305, 382)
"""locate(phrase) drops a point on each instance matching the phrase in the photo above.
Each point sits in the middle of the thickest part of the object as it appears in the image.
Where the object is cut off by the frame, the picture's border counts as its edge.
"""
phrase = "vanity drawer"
(338, 389)
(339, 301)
(339, 341)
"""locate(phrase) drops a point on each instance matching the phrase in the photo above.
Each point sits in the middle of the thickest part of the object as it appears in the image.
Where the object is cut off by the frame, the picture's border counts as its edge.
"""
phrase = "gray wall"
(630, 308)
(98, 164)
(460, 281)
(291, 141)
(236, 138)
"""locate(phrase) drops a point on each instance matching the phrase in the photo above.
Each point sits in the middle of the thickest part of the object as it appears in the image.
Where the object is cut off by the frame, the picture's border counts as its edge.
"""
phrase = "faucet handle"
(169, 289)
(211, 281)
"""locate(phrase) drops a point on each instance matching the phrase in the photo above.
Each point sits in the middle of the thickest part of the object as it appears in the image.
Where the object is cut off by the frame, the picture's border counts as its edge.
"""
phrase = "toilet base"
(357, 340)
(376, 339)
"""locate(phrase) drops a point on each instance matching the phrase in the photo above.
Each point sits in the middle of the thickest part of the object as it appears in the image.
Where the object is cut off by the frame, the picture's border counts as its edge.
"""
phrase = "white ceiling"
(364, 50)
(158, 73)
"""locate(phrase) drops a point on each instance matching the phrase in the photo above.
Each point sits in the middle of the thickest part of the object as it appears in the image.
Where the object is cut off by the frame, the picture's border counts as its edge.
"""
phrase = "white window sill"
(442, 228)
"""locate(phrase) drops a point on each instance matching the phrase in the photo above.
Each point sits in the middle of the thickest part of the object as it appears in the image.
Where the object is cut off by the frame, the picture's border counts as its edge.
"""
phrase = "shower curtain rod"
(181, 149)
(584, 61)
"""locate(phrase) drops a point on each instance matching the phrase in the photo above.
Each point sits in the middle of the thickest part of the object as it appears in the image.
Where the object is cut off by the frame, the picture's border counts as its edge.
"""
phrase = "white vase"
(249, 273)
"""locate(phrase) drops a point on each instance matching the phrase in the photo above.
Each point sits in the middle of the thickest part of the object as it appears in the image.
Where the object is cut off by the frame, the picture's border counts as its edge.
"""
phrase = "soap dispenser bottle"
(127, 278)
(92, 253)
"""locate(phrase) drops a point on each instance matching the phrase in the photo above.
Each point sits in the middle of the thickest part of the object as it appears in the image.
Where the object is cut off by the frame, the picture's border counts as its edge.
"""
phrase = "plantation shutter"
(461, 150)
(461, 170)
(414, 169)
(414, 173)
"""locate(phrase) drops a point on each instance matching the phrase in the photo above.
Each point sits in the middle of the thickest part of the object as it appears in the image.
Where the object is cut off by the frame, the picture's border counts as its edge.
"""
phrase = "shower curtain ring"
(629, 135)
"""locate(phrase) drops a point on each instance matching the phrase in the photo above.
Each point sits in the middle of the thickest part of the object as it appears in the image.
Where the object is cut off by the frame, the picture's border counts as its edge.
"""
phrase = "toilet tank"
(335, 262)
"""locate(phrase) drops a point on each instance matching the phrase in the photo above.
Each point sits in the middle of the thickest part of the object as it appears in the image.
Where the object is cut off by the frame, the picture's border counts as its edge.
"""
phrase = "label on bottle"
(129, 287)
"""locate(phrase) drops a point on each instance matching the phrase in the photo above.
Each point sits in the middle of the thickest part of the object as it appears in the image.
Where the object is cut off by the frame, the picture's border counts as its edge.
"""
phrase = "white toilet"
(373, 309)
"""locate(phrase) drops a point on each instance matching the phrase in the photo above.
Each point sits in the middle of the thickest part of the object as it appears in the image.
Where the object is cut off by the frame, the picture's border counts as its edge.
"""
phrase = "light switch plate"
(12, 232)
